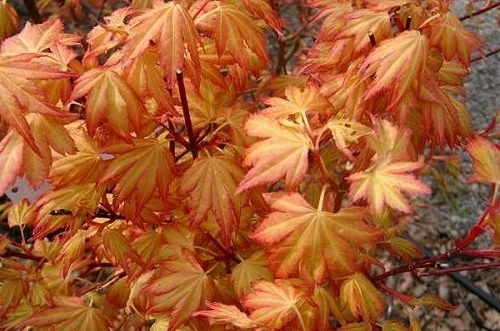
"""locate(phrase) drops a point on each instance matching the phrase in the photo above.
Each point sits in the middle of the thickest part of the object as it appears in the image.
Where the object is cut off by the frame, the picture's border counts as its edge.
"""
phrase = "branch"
(458, 269)
(480, 11)
(185, 112)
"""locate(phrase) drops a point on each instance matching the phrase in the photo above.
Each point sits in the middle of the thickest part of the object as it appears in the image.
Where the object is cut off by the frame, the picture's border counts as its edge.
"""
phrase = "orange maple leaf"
(69, 313)
(182, 288)
(234, 32)
(397, 63)
(173, 28)
(362, 298)
(211, 182)
(275, 305)
(8, 20)
(109, 99)
(302, 239)
(221, 313)
(283, 154)
(140, 169)
(486, 161)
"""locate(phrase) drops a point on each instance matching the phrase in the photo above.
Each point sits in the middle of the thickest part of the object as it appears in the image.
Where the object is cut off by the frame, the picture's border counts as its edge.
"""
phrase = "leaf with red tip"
(485, 160)
(173, 29)
(116, 244)
(361, 297)
(219, 313)
(275, 304)
(211, 182)
(283, 154)
(139, 170)
(302, 239)
(397, 63)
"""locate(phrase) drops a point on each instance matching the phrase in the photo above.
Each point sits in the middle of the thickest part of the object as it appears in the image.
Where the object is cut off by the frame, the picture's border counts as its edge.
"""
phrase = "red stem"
(480, 11)
(484, 253)
(185, 112)
(458, 269)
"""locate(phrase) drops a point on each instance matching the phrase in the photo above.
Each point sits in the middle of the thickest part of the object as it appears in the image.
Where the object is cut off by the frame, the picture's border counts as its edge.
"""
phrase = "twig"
(480, 11)
(101, 286)
(185, 112)
(493, 52)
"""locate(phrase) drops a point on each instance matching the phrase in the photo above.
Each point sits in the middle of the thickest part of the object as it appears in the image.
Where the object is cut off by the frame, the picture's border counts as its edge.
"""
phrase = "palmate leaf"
(170, 25)
(248, 271)
(211, 183)
(182, 288)
(19, 92)
(283, 154)
(234, 31)
(226, 314)
(8, 20)
(396, 63)
(383, 184)
(316, 244)
(140, 169)
(109, 99)
(69, 313)
(453, 39)
(485, 160)
(362, 298)
(275, 305)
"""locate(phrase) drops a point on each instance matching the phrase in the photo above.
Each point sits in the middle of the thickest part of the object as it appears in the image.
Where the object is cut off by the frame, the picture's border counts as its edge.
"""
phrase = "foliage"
(193, 187)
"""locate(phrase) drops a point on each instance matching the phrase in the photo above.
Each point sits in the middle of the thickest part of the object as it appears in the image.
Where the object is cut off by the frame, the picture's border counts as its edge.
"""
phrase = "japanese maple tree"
(198, 183)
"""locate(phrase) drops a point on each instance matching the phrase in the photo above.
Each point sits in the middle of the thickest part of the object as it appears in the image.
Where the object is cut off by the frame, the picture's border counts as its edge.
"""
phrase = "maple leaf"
(72, 250)
(345, 132)
(276, 304)
(182, 289)
(119, 247)
(11, 293)
(485, 160)
(81, 200)
(18, 91)
(262, 9)
(450, 36)
(302, 239)
(211, 183)
(111, 100)
(21, 214)
(360, 23)
(85, 166)
(283, 154)
(69, 313)
(221, 313)
(431, 300)
(362, 298)
(385, 5)
(11, 157)
(234, 32)
(248, 271)
(140, 169)
(106, 36)
(8, 20)
(397, 63)
(146, 78)
(171, 26)
(383, 183)
(393, 326)
(299, 103)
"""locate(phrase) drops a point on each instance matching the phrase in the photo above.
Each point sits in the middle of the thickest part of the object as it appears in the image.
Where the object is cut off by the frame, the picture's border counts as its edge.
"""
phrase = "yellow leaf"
(116, 244)
(485, 160)
(21, 214)
(315, 243)
(361, 297)
(226, 314)
(70, 313)
(248, 271)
